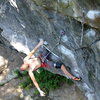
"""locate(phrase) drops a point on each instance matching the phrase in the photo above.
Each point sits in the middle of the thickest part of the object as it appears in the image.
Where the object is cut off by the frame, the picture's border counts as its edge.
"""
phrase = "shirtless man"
(32, 63)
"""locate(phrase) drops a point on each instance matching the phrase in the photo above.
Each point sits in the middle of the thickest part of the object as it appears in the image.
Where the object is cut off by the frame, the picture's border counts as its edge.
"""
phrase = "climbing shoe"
(77, 79)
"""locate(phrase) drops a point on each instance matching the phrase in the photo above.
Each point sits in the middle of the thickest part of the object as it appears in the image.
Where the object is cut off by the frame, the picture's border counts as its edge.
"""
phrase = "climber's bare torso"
(33, 63)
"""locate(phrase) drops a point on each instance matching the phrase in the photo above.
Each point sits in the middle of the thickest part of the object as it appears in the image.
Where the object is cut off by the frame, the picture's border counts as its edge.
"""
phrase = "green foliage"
(49, 81)
(36, 92)
(69, 82)
(20, 73)
(27, 83)
(46, 80)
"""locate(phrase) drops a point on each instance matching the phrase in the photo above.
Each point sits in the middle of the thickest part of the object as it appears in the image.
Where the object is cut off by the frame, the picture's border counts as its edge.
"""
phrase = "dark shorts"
(52, 64)
(49, 60)
(58, 64)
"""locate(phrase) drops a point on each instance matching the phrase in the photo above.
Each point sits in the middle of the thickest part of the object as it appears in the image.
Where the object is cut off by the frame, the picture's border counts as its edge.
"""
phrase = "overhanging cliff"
(24, 22)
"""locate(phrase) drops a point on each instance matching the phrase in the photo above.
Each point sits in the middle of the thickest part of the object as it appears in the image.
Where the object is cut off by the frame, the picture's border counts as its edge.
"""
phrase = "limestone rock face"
(3, 64)
(23, 22)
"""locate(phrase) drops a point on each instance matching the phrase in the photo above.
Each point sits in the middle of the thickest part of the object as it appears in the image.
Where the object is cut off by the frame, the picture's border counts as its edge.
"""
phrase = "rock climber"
(32, 63)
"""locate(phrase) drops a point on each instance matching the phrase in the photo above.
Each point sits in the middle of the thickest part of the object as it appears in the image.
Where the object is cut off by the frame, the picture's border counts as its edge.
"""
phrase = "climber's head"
(24, 67)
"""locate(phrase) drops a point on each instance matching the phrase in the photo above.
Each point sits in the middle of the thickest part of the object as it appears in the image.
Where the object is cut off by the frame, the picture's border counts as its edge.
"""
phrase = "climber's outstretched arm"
(35, 83)
(34, 50)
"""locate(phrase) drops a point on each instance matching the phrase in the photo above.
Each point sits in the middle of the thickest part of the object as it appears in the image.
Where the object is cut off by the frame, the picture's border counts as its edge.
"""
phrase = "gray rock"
(25, 21)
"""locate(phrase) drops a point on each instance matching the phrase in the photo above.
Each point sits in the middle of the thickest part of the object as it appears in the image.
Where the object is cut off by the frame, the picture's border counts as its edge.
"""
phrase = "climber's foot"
(76, 79)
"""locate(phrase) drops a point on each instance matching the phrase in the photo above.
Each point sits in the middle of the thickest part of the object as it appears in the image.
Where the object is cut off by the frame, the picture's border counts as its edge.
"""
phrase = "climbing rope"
(62, 32)
(82, 33)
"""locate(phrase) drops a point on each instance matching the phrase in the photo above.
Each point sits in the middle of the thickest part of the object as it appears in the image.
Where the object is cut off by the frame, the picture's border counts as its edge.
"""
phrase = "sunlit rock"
(93, 14)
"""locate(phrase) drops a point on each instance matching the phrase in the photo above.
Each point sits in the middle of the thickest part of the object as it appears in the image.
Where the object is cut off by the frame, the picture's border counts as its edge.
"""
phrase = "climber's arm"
(34, 50)
(35, 83)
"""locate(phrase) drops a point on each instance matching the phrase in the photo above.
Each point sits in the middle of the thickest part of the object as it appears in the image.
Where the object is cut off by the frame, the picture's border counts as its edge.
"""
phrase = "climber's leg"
(68, 74)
